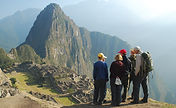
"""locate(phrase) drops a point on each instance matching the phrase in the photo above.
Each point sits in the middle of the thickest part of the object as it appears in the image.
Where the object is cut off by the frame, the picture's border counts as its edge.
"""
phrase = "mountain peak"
(40, 32)
(54, 8)
(54, 5)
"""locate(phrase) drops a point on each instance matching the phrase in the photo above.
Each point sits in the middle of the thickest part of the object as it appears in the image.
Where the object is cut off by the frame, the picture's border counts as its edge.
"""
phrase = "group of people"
(123, 71)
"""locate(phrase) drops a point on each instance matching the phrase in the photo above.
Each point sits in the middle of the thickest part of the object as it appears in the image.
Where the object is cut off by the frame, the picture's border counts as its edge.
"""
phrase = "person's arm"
(94, 72)
(106, 72)
(111, 67)
(129, 65)
(138, 64)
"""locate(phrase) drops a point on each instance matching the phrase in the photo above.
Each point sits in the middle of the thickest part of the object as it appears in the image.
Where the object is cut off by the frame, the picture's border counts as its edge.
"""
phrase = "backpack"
(147, 62)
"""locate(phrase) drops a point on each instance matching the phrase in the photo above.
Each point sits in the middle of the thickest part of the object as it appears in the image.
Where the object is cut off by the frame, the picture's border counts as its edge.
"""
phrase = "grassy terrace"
(22, 84)
(163, 105)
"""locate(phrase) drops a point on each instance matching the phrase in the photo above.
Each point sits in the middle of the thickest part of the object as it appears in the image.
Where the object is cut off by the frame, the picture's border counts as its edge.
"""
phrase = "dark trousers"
(136, 87)
(99, 91)
(125, 91)
(125, 85)
(132, 96)
(115, 92)
(132, 76)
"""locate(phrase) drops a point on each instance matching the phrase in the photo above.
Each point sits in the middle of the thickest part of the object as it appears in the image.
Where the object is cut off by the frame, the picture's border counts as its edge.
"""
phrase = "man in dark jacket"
(100, 76)
(125, 79)
(132, 74)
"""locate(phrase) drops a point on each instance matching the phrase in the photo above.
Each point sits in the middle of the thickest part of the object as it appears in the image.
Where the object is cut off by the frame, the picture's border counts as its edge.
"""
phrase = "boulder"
(3, 78)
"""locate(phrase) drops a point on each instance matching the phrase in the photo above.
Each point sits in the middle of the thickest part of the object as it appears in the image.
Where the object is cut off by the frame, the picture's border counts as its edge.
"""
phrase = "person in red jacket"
(117, 70)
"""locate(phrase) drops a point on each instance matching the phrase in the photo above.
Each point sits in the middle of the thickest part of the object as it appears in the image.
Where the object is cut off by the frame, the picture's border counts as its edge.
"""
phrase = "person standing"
(133, 66)
(125, 78)
(100, 76)
(140, 78)
(117, 70)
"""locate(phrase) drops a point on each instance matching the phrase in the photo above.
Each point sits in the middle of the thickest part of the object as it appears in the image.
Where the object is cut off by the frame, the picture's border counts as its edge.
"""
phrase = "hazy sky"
(8, 7)
(146, 9)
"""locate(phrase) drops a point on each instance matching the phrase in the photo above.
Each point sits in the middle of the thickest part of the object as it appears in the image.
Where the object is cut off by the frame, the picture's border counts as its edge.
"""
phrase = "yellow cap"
(119, 57)
(101, 55)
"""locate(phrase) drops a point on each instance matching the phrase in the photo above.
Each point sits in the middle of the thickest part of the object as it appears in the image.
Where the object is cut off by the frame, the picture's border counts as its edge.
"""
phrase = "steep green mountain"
(58, 40)
(14, 28)
(5, 61)
(110, 45)
(24, 53)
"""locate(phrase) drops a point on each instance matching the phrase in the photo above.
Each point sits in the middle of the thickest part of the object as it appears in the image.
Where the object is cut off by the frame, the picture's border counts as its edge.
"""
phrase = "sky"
(146, 9)
(9, 7)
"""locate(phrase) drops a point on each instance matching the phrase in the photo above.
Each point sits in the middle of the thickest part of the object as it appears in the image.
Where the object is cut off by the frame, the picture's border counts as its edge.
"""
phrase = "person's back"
(100, 76)
(127, 63)
(100, 71)
(117, 71)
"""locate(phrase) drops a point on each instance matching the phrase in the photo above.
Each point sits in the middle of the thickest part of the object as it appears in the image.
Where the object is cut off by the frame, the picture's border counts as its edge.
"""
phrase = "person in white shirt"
(140, 78)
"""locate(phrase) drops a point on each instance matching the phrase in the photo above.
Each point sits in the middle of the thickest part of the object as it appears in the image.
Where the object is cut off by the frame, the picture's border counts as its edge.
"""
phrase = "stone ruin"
(63, 80)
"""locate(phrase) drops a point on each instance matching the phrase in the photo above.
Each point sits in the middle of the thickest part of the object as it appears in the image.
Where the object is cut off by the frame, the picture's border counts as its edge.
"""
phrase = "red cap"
(123, 51)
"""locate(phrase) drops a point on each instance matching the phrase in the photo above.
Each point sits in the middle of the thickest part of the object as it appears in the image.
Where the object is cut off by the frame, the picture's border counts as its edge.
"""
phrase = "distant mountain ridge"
(59, 41)
(14, 28)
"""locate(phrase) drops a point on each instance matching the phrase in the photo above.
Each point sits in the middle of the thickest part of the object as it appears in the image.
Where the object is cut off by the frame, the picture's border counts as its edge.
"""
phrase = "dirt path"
(18, 101)
(25, 100)
(123, 105)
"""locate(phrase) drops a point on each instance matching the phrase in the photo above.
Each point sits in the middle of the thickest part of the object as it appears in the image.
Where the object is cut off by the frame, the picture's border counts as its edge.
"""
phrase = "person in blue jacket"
(100, 76)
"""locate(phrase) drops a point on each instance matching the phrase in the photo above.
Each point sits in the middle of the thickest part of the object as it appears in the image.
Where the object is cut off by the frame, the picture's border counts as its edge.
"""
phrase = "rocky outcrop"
(42, 96)
(5, 86)
(3, 79)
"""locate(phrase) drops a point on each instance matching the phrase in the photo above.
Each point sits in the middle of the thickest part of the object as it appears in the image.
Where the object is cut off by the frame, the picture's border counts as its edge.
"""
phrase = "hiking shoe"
(115, 104)
(95, 103)
(144, 101)
(123, 100)
(99, 103)
(130, 98)
(104, 101)
(134, 102)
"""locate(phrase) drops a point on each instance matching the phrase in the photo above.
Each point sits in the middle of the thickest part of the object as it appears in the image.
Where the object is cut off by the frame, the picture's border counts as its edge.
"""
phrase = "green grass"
(64, 101)
(168, 106)
(163, 104)
(22, 85)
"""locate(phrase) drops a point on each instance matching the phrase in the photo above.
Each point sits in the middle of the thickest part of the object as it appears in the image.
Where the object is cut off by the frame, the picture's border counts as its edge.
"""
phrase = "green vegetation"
(5, 61)
(107, 44)
(71, 90)
(27, 53)
(163, 104)
(168, 106)
(22, 80)
(64, 101)
(13, 81)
